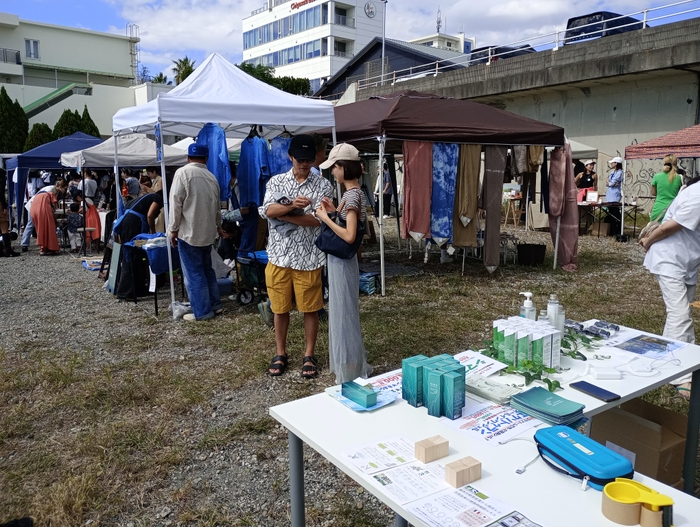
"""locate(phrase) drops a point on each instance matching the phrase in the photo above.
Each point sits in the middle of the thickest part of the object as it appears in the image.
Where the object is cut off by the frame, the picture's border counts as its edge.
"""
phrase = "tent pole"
(556, 243)
(83, 248)
(380, 219)
(117, 186)
(622, 194)
(337, 185)
(159, 148)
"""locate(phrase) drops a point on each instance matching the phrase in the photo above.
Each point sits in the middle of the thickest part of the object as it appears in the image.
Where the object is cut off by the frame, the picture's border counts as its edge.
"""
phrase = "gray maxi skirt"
(348, 357)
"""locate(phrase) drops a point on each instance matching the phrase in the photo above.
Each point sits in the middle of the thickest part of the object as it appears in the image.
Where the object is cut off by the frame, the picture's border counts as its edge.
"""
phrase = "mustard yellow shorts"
(286, 286)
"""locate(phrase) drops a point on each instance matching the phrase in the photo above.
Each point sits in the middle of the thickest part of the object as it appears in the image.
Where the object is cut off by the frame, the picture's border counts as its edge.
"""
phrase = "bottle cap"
(553, 298)
(528, 299)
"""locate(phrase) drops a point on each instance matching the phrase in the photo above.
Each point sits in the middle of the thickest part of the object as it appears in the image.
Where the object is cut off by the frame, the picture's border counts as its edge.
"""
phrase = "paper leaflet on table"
(492, 423)
(410, 482)
(466, 507)
(473, 362)
(641, 343)
(381, 455)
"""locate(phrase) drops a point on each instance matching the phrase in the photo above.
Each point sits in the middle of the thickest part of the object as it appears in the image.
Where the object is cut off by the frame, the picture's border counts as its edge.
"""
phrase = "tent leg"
(380, 219)
(159, 147)
(556, 243)
(622, 192)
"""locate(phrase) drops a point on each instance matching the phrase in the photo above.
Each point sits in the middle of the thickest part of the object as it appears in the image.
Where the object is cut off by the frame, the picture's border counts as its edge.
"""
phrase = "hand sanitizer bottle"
(553, 310)
(527, 310)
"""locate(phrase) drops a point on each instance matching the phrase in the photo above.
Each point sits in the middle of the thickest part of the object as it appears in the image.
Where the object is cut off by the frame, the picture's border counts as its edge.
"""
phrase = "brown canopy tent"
(683, 143)
(415, 116)
(383, 123)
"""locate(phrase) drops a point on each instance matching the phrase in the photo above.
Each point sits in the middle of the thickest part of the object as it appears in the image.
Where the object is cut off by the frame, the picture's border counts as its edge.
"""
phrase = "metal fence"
(10, 56)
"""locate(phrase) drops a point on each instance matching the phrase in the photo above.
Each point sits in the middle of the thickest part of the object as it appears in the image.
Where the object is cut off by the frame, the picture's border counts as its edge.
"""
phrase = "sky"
(173, 29)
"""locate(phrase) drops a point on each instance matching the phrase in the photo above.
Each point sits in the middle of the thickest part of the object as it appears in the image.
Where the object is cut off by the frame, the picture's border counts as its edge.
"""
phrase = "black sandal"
(309, 371)
(278, 364)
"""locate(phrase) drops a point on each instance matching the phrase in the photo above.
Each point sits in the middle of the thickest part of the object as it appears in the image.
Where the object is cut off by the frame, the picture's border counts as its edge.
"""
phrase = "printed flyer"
(467, 507)
(492, 423)
(411, 481)
(382, 455)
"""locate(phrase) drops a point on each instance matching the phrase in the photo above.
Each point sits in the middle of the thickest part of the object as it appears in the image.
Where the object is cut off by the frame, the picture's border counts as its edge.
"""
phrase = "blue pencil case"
(573, 454)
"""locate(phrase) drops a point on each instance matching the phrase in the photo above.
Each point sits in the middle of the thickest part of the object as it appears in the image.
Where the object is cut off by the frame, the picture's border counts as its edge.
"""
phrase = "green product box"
(408, 380)
(434, 399)
(508, 348)
(556, 350)
(413, 380)
(497, 332)
(538, 347)
(427, 368)
(359, 394)
(452, 394)
(524, 346)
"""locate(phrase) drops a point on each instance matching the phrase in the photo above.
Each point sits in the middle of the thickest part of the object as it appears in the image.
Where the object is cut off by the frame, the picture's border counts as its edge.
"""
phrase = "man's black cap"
(303, 147)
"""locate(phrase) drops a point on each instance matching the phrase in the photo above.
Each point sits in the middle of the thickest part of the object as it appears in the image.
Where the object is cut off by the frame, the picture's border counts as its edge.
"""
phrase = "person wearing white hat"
(586, 180)
(614, 195)
(347, 354)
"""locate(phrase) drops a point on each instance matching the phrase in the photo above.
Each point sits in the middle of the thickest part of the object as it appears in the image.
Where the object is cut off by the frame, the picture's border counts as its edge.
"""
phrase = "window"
(31, 49)
(449, 44)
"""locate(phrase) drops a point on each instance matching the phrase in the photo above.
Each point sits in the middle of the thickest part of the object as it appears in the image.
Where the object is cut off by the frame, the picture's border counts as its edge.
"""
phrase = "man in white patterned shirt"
(293, 273)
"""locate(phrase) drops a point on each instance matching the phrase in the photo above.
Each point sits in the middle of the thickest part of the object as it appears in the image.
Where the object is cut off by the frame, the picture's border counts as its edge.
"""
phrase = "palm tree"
(183, 68)
(161, 79)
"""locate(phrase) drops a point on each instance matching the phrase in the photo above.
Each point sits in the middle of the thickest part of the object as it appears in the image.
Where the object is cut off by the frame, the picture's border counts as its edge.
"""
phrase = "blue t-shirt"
(253, 170)
(279, 155)
(614, 193)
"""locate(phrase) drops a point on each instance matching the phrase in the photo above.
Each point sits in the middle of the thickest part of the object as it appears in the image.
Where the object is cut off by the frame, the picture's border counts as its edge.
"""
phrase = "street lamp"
(383, 36)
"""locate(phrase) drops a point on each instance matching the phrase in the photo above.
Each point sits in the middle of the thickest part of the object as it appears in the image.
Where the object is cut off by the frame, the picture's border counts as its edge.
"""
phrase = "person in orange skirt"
(92, 217)
(42, 208)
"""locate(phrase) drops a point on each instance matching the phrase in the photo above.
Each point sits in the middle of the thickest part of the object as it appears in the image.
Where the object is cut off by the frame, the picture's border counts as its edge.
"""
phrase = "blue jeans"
(200, 279)
(28, 229)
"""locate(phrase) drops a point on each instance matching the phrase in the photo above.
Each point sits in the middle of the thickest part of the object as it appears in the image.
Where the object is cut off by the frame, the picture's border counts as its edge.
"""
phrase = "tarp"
(414, 116)
(581, 151)
(231, 144)
(219, 92)
(683, 143)
(135, 150)
(48, 156)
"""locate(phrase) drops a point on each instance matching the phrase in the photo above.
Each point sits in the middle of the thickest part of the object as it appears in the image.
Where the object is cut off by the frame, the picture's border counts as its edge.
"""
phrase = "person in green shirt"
(665, 186)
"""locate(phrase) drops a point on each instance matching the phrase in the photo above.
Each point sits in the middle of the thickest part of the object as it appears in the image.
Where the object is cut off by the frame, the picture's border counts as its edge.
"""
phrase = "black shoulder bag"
(330, 243)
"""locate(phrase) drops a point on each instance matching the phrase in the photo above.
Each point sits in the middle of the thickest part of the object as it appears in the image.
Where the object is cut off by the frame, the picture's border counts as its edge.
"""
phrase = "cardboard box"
(604, 229)
(654, 435)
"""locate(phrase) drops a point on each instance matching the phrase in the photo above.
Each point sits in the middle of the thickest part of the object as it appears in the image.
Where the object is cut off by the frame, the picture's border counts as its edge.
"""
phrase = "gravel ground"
(231, 466)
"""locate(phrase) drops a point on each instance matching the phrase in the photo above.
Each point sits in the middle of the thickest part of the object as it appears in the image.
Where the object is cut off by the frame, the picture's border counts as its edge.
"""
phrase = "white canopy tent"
(220, 92)
(135, 150)
(231, 144)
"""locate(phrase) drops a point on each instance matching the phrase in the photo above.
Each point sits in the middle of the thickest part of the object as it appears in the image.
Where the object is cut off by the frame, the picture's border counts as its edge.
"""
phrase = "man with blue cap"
(194, 221)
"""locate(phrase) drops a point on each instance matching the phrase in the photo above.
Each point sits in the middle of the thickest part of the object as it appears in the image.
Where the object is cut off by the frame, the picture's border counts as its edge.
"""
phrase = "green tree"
(14, 124)
(67, 124)
(183, 69)
(161, 79)
(266, 74)
(40, 134)
(87, 125)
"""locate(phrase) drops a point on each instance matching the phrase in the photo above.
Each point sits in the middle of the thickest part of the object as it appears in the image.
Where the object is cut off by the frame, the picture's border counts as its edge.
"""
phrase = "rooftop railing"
(549, 41)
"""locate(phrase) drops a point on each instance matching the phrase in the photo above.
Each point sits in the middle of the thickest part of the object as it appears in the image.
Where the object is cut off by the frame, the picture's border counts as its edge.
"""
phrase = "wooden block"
(432, 448)
(463, 471)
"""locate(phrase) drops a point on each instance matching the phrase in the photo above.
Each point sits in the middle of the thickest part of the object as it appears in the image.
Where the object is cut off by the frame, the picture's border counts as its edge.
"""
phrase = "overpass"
(609, 93)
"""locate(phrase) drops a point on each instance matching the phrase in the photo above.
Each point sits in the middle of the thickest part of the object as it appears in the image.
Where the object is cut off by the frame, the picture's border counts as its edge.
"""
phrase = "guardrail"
(346, 21)
(10, 56)
(259, 10)
(549, 41)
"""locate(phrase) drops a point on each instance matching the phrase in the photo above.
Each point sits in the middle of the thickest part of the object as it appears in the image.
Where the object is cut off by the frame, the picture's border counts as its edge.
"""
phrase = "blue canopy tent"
(46, 157)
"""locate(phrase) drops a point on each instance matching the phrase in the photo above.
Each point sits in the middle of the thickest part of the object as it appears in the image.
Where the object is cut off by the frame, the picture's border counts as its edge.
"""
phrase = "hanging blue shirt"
(253, 170)
(445, 159)
(214, 137)
(279, 155)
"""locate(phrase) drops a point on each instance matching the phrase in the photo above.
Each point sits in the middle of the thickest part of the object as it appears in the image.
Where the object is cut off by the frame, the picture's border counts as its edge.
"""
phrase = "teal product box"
(409, 384)
(508, 348)
(452, 394)
(524, 346)
(427, 368)
(359, 394)
(434, 393)
(414, 372)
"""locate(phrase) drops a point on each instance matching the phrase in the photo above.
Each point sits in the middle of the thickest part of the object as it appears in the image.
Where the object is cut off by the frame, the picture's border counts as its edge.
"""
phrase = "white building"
(49, 69)
(310, 39)
(460, 43)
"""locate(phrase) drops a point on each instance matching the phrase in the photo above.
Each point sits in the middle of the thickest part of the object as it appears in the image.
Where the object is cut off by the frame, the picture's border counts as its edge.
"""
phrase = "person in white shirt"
(195, 219)
(673, 256)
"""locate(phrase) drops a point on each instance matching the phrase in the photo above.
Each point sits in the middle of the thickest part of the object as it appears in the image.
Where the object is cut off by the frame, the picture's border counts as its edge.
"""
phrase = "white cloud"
(172, 28)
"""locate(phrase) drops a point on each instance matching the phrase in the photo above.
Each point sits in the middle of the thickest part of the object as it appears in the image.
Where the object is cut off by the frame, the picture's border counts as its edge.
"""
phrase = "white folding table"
(540, 493)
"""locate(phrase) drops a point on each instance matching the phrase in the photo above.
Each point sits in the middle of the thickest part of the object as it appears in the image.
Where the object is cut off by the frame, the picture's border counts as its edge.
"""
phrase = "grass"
(84, 437)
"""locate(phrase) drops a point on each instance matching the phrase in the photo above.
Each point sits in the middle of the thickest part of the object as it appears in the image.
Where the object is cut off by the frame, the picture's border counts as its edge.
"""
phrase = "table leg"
(400, 522)
(296, 480)
(691, 436)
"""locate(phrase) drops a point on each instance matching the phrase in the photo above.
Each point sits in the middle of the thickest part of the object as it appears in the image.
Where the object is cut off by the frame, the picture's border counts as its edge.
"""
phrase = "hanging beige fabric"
(464, 221)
